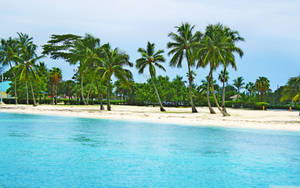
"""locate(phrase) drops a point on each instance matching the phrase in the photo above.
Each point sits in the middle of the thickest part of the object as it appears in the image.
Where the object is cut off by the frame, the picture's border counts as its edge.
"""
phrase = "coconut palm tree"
(250, 88)
(183, 43)
(262, 84)
(223, 77)
(8, 51)
(55, 77)
(238, 83)
(113, 63)
(292, 90)
(26, 59)
(215, 48)
(152, 59)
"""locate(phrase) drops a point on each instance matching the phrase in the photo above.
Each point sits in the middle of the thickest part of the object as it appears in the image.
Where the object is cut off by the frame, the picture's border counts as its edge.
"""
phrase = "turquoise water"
(45, 151)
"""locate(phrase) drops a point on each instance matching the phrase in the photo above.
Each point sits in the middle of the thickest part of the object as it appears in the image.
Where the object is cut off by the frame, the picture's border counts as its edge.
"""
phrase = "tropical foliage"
(103, 73)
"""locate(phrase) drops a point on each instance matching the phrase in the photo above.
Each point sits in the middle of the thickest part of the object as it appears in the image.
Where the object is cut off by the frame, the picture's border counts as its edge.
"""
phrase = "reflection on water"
(44, 151)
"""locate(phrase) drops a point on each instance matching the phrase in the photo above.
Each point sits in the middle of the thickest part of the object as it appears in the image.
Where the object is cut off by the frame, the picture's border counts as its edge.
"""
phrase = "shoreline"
(240, 118)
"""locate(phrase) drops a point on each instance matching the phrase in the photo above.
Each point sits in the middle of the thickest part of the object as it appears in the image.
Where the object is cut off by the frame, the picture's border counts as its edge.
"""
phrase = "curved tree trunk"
(81, 85)
(108, 97)
(223, 98)
(32, 92)
(157, 94)
(223, 91)
(55, 94)
(27, 98)
(194, 110)
(211, 110)
(215, 98)
(100, 97)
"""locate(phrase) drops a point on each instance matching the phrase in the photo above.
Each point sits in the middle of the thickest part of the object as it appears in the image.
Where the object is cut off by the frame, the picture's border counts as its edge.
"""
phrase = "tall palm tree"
(85, 51)
(8, 51)
(238, 83)
(223, 77)
(55, 76)
(262, 84)
(113, 65)
(182, 46)
(152, 59)
(27, 59)
(215, 48)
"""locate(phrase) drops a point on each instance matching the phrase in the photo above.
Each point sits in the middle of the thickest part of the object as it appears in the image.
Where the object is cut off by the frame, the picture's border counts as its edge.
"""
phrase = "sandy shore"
(240, 118)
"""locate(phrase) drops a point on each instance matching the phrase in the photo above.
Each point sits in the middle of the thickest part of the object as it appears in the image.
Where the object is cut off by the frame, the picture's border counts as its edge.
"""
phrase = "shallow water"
(46, 151)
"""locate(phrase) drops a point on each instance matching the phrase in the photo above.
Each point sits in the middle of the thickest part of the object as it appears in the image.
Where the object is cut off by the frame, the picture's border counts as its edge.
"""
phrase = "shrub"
(259, 105)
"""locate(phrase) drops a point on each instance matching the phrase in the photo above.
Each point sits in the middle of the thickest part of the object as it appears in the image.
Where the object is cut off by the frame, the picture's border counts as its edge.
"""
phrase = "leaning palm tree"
(182, 46)
(223, 77)
(55, 77)
(152, 59)
(215, 48)
(113, 62)
(238, 83)
(262, 84)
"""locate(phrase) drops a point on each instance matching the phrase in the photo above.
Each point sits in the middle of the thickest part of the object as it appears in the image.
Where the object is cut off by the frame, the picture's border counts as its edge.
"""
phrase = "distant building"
(3, 89)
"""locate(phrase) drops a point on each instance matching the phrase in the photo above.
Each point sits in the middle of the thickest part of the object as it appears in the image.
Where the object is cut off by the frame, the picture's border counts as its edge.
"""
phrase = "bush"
(259, 105)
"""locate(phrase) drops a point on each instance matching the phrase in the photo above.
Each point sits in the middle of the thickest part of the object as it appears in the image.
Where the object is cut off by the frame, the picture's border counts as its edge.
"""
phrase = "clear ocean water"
(47, 151)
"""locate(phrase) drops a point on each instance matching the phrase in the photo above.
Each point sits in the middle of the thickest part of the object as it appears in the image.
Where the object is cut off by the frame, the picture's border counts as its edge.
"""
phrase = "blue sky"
(271, 29)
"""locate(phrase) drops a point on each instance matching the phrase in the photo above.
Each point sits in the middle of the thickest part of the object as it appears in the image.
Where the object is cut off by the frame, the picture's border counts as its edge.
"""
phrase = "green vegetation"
(103, 73)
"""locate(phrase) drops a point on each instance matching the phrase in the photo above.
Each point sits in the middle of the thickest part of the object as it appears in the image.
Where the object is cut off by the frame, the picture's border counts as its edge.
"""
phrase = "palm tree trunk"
(224, 92)
(223, 98)
(55, 94)
(157, 94)
(52, 93)
(194, 110)
(81, 85)
(108, 97)
(27, 98)
(211, 110)
(100, 97)
(32, 92)
(214, 95)
(15, 84)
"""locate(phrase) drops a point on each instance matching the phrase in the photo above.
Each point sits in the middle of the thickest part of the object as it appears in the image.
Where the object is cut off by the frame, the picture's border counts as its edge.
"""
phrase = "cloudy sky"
(271, 28)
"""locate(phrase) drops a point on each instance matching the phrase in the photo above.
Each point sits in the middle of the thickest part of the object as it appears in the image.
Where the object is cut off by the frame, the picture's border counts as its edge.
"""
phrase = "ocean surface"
(48, 151)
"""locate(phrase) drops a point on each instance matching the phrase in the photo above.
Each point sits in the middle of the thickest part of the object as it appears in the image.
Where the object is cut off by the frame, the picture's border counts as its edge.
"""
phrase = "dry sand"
(240, 118)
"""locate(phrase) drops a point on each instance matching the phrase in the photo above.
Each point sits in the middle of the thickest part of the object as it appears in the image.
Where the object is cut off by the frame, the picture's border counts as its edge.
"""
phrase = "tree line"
(98, 63)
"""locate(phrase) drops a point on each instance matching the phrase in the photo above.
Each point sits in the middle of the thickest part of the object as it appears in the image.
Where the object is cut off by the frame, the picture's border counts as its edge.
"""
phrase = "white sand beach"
(240, 118)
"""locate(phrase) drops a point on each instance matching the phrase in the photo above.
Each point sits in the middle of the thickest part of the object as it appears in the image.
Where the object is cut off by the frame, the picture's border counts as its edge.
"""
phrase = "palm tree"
(86, 52)
(238, 83)
(262, 84)
(292, 90)
(182, 46)
(55, 76)
(250, 88)
(235, 37)
(27, 59)
(223, 77)
(113, 65)
(215, 48)
(8, 51)
(152, 59)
